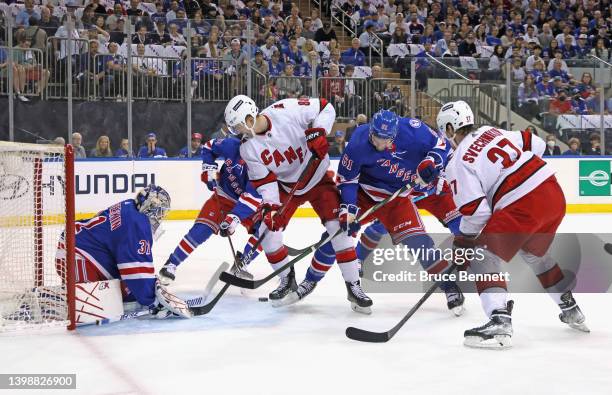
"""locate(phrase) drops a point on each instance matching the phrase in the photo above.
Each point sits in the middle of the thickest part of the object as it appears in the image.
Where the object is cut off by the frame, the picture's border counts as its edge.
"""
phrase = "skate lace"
(307, 286)
(357, 291)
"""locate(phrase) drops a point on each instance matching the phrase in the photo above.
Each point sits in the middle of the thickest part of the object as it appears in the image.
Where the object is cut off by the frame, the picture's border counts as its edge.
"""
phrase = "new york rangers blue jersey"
(233, 178)
(118, 242)
(380, 173)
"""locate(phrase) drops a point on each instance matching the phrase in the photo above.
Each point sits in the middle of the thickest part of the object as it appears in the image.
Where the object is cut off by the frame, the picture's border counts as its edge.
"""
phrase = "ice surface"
(247, 347)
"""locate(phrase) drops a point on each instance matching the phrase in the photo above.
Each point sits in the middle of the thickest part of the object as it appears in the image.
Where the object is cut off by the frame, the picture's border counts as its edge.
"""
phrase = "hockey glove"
(427, 171)
(168, 302)
(209, 175)
(347, 218)
(229, 224)
(271, 217)
(317, 141)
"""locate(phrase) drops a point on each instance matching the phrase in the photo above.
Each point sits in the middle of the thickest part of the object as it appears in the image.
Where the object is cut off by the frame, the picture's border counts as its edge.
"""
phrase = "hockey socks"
(323, 259)
(370, 239)
(197, 235)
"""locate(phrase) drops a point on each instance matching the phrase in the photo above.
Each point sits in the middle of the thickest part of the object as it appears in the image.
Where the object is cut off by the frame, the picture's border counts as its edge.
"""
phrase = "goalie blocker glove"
(317, 141)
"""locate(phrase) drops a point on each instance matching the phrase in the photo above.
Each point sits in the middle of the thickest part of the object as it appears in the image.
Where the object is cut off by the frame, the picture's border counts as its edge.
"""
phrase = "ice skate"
(455, 300)
(495, 334)
(304, 289)
(571, 313)
(360, 302)
(286, 286)
(167, 273)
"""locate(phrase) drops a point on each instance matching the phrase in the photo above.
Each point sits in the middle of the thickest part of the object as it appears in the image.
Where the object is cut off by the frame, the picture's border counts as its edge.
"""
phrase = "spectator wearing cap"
(552, 149)
(326, 33)
(275, 66)
(77, 143)
(366, 39)
(579, 105)
(124, 150)
(582, 48)
(103, 148)
(195, 147)
(533, 58)
(260, 64)
(574, 145)
(336, 148)
(354, 55)
(150, 149)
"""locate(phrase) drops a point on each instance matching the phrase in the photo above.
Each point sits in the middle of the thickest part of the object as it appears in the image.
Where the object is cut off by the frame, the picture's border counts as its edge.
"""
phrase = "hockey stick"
(383, 337)
(253, 284)
(294, 251)
(192, 303)
(229, 238)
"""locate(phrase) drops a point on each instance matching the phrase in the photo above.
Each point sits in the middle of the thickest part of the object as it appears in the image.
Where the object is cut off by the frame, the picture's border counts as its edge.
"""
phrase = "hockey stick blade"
(215, 278)
(382, 337)
(608, 248)
(201, 310)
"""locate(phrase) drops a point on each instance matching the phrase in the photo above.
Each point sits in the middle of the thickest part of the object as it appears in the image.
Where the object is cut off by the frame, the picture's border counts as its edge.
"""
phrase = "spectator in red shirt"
(561, 104)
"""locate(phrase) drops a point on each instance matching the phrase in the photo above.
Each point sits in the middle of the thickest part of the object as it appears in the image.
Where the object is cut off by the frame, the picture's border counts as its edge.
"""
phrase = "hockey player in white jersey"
(281, 140)
(511, 203)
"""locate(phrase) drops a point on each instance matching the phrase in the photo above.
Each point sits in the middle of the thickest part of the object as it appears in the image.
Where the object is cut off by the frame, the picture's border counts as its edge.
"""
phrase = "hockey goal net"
(36, 207)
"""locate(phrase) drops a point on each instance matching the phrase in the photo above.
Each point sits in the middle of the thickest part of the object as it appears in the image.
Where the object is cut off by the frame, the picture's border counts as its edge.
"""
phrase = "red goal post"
(36, 216)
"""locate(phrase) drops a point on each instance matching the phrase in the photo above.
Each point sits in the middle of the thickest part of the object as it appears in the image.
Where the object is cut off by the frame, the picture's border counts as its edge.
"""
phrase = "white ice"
(247, 347)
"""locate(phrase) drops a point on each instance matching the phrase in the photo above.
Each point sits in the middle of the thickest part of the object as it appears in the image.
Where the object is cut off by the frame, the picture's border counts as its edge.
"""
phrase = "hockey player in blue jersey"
(234, 201)
(117, 244)
(380, 158)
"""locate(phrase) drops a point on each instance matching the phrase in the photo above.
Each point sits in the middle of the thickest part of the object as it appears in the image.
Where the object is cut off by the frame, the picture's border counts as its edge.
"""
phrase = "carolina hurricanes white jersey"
(491, 169)
(281, 153)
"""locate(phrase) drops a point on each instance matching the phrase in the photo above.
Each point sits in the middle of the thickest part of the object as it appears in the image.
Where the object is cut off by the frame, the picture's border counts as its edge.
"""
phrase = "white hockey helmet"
(458, 114)
(237, 111)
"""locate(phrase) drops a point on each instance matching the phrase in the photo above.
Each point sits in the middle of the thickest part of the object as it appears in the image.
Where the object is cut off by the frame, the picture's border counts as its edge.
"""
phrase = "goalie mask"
(154, 202)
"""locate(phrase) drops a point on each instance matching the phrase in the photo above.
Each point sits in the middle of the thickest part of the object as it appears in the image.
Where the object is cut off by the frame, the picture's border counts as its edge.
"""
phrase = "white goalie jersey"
(491, 169)
(281, 153)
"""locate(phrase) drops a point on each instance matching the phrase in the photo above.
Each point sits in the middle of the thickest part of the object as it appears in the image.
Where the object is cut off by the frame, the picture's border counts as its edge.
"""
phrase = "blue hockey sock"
(370, 239)
(323, 260)
(428, 260)
(453, 225)
(248, 249)
(197, 235)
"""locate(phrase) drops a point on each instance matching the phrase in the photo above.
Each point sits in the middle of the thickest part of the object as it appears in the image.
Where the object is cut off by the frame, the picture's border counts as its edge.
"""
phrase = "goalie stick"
(253, 284)
(192, 303)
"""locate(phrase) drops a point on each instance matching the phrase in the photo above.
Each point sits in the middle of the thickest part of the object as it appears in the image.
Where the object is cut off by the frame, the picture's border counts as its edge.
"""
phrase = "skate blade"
(499, 342)
(287, 300)
(580, 327)
(362, 310)
(458, 311)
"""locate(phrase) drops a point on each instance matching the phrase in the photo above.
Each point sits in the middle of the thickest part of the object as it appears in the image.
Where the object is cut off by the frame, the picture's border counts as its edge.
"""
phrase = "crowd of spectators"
(285, 48)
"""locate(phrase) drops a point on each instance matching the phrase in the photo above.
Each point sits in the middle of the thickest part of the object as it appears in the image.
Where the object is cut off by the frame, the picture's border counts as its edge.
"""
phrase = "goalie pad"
(98, 301)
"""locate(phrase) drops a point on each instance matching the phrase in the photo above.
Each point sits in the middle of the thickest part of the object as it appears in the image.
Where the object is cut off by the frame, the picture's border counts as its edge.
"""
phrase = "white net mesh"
(32, 218)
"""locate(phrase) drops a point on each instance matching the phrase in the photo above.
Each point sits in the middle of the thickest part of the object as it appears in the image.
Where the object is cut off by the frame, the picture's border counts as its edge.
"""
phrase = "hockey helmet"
(236, 113)
(458, 114)
(154, 202)
(384, 124)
